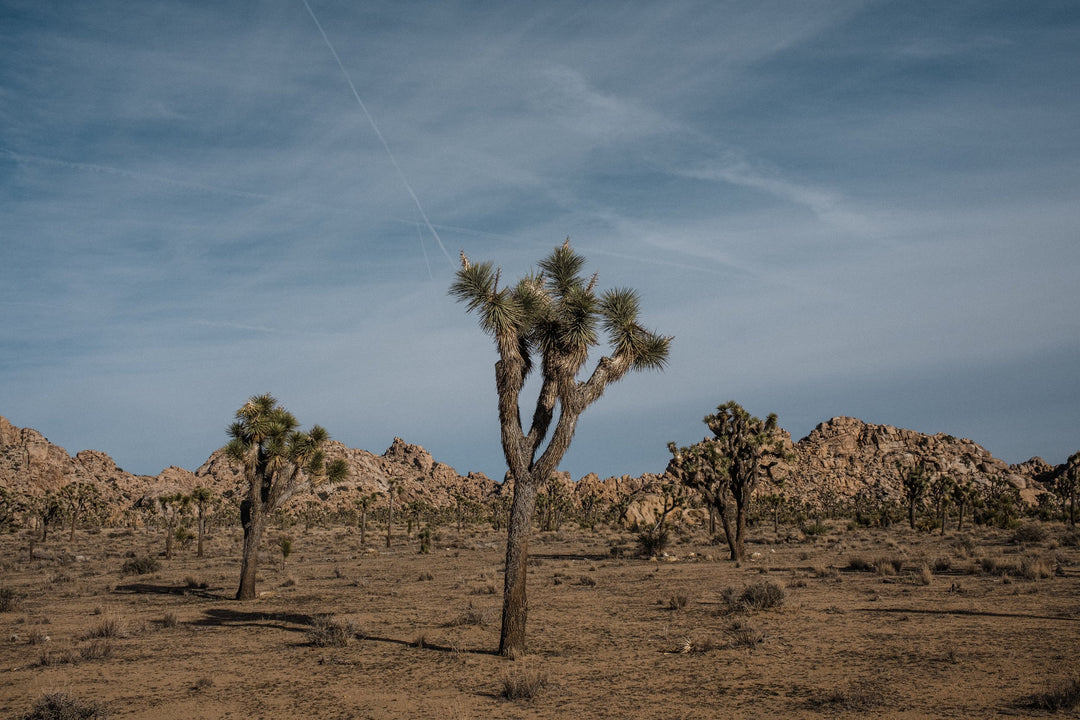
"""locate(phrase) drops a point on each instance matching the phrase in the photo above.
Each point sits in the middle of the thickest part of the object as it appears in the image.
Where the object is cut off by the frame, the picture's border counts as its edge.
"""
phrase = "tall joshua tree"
(278, 461)
(554, 316)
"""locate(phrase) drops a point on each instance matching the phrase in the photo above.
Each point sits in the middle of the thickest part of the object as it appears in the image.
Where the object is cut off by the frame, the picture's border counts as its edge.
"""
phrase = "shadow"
(976, 613)
(572, 556)
(224, 617)
(182, 590)
(430, 646)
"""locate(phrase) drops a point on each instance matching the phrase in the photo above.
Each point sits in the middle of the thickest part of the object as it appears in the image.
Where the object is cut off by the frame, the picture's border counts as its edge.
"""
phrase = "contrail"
(371, 120)
(423, 247)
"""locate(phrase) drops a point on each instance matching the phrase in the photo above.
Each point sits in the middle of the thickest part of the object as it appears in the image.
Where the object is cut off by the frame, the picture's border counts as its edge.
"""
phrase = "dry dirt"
(606, 633)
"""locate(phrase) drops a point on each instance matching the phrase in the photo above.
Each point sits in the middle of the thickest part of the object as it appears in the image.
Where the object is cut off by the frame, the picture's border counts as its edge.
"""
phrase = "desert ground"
(882, 622)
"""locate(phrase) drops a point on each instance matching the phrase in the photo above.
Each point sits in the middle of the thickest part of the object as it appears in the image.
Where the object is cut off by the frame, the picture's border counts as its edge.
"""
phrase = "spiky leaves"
(555, 316)
(278, 461)
(729, 465)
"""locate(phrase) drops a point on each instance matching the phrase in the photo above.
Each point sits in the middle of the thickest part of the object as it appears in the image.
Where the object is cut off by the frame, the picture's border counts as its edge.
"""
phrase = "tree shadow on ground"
(184, 590)
(976, 613)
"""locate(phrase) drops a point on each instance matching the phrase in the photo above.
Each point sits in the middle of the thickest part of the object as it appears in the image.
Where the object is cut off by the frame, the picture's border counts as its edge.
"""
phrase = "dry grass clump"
(924, 576)
(762, 596)
(742, 635)
(9, 600)
(1062, 696)
(61, 706)
(111, 626)
(860, 696)
(523, 682)
(328, 631)
(1036, 568)
(473, 615)
(96, 649)
(678, 601)
(880, 564)
(140, 566)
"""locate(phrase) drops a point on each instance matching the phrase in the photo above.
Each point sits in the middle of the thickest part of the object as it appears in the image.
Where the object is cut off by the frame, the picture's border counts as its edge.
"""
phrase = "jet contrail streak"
(423, 247)
(375, 127)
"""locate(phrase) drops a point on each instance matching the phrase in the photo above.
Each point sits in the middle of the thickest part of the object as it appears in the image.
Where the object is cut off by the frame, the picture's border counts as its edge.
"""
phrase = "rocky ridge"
(843, 454)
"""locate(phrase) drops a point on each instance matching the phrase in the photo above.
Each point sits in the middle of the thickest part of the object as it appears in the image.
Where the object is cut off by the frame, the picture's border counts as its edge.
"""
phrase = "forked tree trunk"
(515, 605)
(253, 519)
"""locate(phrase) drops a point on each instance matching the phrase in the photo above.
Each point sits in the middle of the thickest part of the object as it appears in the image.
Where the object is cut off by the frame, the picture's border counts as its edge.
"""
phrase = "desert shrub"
(97, 649)
(1036, 568)
(815, 529)
(109, 627)
(192, 583)
(58, 657)
(925, 575)
(61, 706)
(140, 566)
(1070, 538)
(425, 577)
(998, 566)
(762, 596)
(743, 635)
(860, 564)
(941, 564)
(523, 683)
(586, 581)
(856, 697)
(651, 543)
(678, 601)
(9, 600)
(327, 631)
(1028, 533)
(169, 620)
(1062, 696)
(472, 616)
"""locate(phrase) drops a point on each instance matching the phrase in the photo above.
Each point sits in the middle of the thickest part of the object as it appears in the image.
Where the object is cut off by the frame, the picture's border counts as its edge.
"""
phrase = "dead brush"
(1061, 696)
(859, 696)
(61, 706)
(473, 615)
(328, 631)
(111, 626)
(744, 636)
(1036, 568)
(678, 601)
(524, 682)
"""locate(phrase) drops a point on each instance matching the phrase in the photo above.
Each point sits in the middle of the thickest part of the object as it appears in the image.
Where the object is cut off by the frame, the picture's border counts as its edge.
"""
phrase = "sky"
(854, 208)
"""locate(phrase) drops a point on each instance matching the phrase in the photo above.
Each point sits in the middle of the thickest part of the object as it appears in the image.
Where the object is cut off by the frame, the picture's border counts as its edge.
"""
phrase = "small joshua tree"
(551, 316)
(1067, 485)
(173, 508)
(394, 487)
(202, 497)
(364, 503)
(278, 461)
(916, 481)
(726, 468)
(82, 500)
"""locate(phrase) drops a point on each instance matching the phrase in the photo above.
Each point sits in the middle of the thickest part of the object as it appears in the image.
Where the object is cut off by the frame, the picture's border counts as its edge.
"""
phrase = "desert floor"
(609, 636)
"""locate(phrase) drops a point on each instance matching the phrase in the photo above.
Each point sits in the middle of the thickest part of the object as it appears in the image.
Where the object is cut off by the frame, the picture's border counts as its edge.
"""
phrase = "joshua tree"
(49, 509)
(963, 494)
(552, 315)
(278, 461)
(941, 490)
(172, 508)
(394, 488)
(916, 480)
(742, 450)
(82, 499)
(202, 497)
(1067, 485)
(365, 503)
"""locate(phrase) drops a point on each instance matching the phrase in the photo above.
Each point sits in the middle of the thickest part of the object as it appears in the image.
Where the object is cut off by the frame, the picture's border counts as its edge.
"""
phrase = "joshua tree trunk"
(389, 521)
(252, 518)
(363, 526)
(202, 531)
(911, 513)
(515, 606)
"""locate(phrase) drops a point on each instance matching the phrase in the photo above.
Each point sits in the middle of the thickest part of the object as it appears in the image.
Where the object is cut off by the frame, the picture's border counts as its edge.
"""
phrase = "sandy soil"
(607, 635)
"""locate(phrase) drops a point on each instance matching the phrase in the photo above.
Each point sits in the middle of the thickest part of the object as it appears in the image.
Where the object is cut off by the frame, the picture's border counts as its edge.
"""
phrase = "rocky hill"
(847, 454)
(843, 454)
(31, 465)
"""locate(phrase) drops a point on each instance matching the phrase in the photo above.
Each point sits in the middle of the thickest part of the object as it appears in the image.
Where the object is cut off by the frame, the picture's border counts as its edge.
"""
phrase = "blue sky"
(837, 208)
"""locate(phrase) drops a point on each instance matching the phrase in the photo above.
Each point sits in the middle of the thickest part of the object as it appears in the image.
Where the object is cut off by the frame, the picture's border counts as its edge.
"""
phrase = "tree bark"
(515, 603)
(252, 518)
